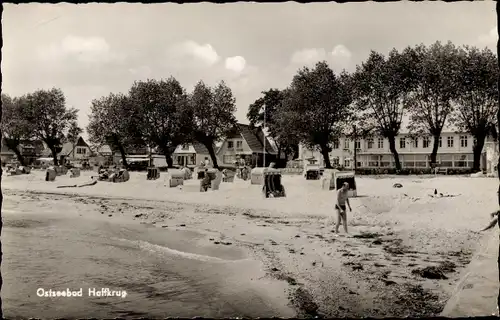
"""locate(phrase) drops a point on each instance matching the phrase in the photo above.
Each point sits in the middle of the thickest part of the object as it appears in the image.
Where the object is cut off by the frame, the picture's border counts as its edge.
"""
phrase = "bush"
(409, 171)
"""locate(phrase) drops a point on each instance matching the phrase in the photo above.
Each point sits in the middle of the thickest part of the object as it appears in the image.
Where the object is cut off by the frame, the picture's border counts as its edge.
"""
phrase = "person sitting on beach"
(340, 206)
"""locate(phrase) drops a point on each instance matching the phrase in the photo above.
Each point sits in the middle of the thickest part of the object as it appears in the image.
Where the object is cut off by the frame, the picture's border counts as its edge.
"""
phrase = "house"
(248, 144)
(104, 155)
(191, 154)
(78, 152)
(30, 150)
(455, 151)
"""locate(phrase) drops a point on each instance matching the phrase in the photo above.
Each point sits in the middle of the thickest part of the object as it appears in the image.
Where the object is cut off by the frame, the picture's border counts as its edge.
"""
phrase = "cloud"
(236, 64)
(341, 58)
(142, 72)
(85, 50)
(189, 52)
(308, 57)
(489, 39)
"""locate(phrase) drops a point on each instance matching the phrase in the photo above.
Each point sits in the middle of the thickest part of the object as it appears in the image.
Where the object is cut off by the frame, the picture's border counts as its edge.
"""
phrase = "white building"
(455, 151)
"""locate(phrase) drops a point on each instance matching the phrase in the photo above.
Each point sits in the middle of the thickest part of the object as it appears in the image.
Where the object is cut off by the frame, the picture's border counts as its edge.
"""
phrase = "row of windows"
(239, 144)
(426, 142)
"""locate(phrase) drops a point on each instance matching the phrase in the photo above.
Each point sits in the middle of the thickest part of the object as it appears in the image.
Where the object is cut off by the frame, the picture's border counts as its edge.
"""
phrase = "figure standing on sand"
(340, 206)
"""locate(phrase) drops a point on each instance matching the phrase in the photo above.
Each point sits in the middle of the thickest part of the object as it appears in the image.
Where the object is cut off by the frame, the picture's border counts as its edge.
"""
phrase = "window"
(335, 144)
(425, 142)
(335, 161)
(449, 141)
(230, 144)
(402, 143)
(346, 163)
(440, 142)
(193, 159)
(185, 147)
(380, 143)
(373, 161)
(81, 150)
(370, 143)
(346, 144)
(239, 145)
(463, 141)
(415, 143)
(357, 144)
(228, 159)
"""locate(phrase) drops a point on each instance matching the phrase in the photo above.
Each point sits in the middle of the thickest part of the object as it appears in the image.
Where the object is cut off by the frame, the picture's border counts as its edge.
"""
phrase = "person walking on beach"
(340, 206)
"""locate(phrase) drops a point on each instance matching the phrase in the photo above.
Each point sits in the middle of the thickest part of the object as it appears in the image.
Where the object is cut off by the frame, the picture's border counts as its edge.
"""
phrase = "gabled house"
(29, 150)
(104, 155)
(78, 152)
(247, 144)
(191, 155)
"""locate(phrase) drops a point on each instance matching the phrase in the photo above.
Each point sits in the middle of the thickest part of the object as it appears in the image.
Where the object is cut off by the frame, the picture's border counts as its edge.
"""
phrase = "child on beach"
(340, 206)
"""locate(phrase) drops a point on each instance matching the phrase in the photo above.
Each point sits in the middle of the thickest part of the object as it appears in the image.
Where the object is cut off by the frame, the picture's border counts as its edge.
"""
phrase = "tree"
(212, 115)
(476, 105)
(15, 128)
(316, 107)
(436, 76)
(162, 106)
(382, 86)
(358, 126)
(272, 104)
(114, 121)
(48, 117)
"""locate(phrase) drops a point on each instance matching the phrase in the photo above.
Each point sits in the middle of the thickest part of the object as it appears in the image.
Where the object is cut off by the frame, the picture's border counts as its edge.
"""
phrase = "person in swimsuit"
(340, 206)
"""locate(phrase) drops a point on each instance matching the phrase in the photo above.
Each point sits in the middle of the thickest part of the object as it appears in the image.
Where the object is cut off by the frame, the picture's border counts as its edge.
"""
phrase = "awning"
(137, 160)
(45, 159)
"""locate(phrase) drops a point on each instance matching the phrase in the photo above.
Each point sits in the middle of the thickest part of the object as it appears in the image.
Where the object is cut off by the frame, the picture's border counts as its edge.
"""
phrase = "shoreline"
(303, 293)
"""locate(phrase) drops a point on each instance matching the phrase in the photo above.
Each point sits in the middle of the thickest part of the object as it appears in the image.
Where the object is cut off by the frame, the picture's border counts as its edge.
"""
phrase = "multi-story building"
(455, 151)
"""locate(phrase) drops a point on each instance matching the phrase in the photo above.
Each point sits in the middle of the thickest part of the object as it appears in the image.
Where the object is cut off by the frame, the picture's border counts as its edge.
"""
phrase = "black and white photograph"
(250, 160)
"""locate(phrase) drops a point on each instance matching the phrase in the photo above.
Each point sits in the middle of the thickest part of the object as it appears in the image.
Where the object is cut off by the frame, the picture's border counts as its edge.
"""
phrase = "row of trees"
(434, 86)
(41, 115)
(161, 115)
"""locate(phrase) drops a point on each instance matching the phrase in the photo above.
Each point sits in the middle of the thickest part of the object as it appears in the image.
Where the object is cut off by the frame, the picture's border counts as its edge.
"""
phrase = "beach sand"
(378, 270)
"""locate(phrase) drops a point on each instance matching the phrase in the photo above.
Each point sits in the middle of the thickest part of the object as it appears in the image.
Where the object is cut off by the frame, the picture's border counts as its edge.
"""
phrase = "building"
(30, 150)
(191, 154)
(104, 156)
(246, 143)
(455, 151)
(75, 152)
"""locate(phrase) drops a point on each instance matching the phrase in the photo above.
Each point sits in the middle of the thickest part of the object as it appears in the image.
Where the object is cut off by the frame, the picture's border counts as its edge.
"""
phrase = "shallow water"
(162, 275)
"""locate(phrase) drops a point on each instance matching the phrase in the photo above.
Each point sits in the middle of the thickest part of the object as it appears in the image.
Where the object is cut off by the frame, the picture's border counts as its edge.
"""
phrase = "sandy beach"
(400, 238)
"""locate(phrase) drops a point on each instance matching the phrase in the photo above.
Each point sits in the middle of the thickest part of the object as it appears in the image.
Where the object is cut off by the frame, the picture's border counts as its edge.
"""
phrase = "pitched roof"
(200, 148)
(254, 136)
(81, 143)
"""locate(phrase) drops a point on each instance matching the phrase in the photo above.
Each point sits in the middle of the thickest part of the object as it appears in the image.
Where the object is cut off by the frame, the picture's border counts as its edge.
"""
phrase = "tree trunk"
(168, 158)
(14, 146)
(54, 155)
(325, 153)
(435, 147)
(477, 149)
(211, 151)
(392, 147)
(355, 156)
(122, 152)
(278, 160)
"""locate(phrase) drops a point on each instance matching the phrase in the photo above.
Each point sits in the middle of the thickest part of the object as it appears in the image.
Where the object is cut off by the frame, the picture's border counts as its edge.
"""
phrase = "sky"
(90, 50)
